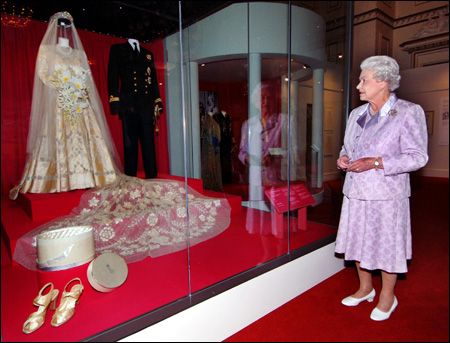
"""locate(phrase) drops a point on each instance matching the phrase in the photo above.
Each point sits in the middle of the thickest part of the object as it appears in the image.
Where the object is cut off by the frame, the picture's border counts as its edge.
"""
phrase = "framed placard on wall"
(443, 121)
(429, 118)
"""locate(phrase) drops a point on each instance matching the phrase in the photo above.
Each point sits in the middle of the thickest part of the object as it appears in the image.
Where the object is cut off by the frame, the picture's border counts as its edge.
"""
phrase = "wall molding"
(429, 43)
(420, 17)
(378, 14)
(375, 14)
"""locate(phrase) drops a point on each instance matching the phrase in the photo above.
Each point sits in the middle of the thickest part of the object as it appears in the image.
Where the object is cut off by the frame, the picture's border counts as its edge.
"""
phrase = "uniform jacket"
(132, 81)
(399, 137)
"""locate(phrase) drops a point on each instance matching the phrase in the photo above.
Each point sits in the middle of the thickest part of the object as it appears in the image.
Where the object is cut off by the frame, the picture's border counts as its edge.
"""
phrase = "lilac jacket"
(270, 135)
(399, 137)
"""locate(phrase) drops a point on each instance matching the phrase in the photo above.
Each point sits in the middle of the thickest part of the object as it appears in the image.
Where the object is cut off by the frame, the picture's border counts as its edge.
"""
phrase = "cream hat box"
(107, 272)
(65, 248)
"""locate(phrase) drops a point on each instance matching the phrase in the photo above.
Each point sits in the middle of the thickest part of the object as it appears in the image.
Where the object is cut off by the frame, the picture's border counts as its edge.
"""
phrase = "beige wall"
(428, 87)
(421, 23)
(417, 32)
(381, 27)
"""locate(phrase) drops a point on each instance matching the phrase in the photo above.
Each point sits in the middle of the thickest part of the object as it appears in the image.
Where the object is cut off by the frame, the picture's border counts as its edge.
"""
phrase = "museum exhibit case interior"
(253, 100)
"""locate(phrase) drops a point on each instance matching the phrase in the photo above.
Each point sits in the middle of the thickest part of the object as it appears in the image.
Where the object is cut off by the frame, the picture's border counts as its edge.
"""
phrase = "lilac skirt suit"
(375, 226)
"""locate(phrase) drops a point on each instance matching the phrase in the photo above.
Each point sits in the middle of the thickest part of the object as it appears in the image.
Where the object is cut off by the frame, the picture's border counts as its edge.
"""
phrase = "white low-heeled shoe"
(352, 301)
(379, 315)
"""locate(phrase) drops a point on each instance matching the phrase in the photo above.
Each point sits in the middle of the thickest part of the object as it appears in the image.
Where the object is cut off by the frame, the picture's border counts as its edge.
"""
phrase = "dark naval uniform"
(226, 144)
(134, 95)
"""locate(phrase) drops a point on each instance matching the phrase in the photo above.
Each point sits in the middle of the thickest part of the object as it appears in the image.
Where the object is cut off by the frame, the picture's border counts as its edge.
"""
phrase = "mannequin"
(134, 42)
(134, 96)
(226, 144)
(68, 145)
(210, 153)
(63, 42)
(65, 31)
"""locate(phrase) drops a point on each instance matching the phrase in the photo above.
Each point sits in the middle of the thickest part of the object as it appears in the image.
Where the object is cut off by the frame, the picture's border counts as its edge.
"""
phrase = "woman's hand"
(362, 165)
(343, 162)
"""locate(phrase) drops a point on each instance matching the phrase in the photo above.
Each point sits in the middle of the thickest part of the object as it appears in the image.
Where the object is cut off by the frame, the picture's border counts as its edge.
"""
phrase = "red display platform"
(37, 206)
(31, 210)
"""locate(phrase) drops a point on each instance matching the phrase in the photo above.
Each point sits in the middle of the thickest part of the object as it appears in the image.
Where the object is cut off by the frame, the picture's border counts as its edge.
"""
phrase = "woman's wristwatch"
(376, 163)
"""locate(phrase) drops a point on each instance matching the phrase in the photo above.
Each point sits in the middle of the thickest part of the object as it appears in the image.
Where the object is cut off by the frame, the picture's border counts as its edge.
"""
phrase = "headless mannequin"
(134, 96)
(224, 113)
(63, 42)
(132, 42)
(210, 148)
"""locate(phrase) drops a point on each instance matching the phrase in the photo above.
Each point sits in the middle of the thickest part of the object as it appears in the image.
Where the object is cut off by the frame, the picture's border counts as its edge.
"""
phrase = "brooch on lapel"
(392, 113)
(149, 57)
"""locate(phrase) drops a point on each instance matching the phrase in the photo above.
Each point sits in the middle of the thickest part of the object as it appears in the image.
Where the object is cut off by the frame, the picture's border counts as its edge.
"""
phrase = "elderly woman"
(384, 141)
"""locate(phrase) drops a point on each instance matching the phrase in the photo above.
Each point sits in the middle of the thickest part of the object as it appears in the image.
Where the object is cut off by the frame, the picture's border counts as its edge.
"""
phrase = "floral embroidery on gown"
(80, 158)
(137, 218)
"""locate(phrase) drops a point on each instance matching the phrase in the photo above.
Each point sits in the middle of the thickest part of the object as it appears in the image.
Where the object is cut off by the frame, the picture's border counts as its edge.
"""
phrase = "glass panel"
(322, 176)
(264, 130)
(252, 96)
(230, 89)
(217, 93)
(143, 217)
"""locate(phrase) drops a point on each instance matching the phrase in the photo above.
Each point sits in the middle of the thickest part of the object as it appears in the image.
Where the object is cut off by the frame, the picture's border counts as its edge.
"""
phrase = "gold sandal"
(36, 319)
(66, 307)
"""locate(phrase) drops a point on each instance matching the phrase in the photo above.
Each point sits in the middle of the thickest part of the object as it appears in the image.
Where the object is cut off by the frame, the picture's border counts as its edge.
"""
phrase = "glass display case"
(253, 99)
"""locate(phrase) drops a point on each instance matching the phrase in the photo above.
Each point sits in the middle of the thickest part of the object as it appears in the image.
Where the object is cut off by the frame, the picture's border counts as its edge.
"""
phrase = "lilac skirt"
(375, 233)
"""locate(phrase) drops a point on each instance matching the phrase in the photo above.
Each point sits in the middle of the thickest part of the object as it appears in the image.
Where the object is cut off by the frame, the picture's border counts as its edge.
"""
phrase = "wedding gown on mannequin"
(69, 146)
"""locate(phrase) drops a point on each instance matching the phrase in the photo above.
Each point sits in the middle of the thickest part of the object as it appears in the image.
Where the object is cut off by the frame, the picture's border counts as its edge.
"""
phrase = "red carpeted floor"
(422, 314)
(151, 283)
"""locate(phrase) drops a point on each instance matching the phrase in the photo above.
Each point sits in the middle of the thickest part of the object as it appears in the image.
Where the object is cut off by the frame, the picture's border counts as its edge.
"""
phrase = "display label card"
(299, 197)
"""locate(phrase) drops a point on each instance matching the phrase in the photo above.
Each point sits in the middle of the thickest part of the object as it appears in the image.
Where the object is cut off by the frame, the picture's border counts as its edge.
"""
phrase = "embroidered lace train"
(136, 218)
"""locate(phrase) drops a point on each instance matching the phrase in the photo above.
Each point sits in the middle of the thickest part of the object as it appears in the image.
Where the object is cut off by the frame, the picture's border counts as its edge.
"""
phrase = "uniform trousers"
(136, 130)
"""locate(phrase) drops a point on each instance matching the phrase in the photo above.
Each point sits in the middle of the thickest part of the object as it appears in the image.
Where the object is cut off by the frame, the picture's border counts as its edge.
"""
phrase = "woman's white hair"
(384, 68)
